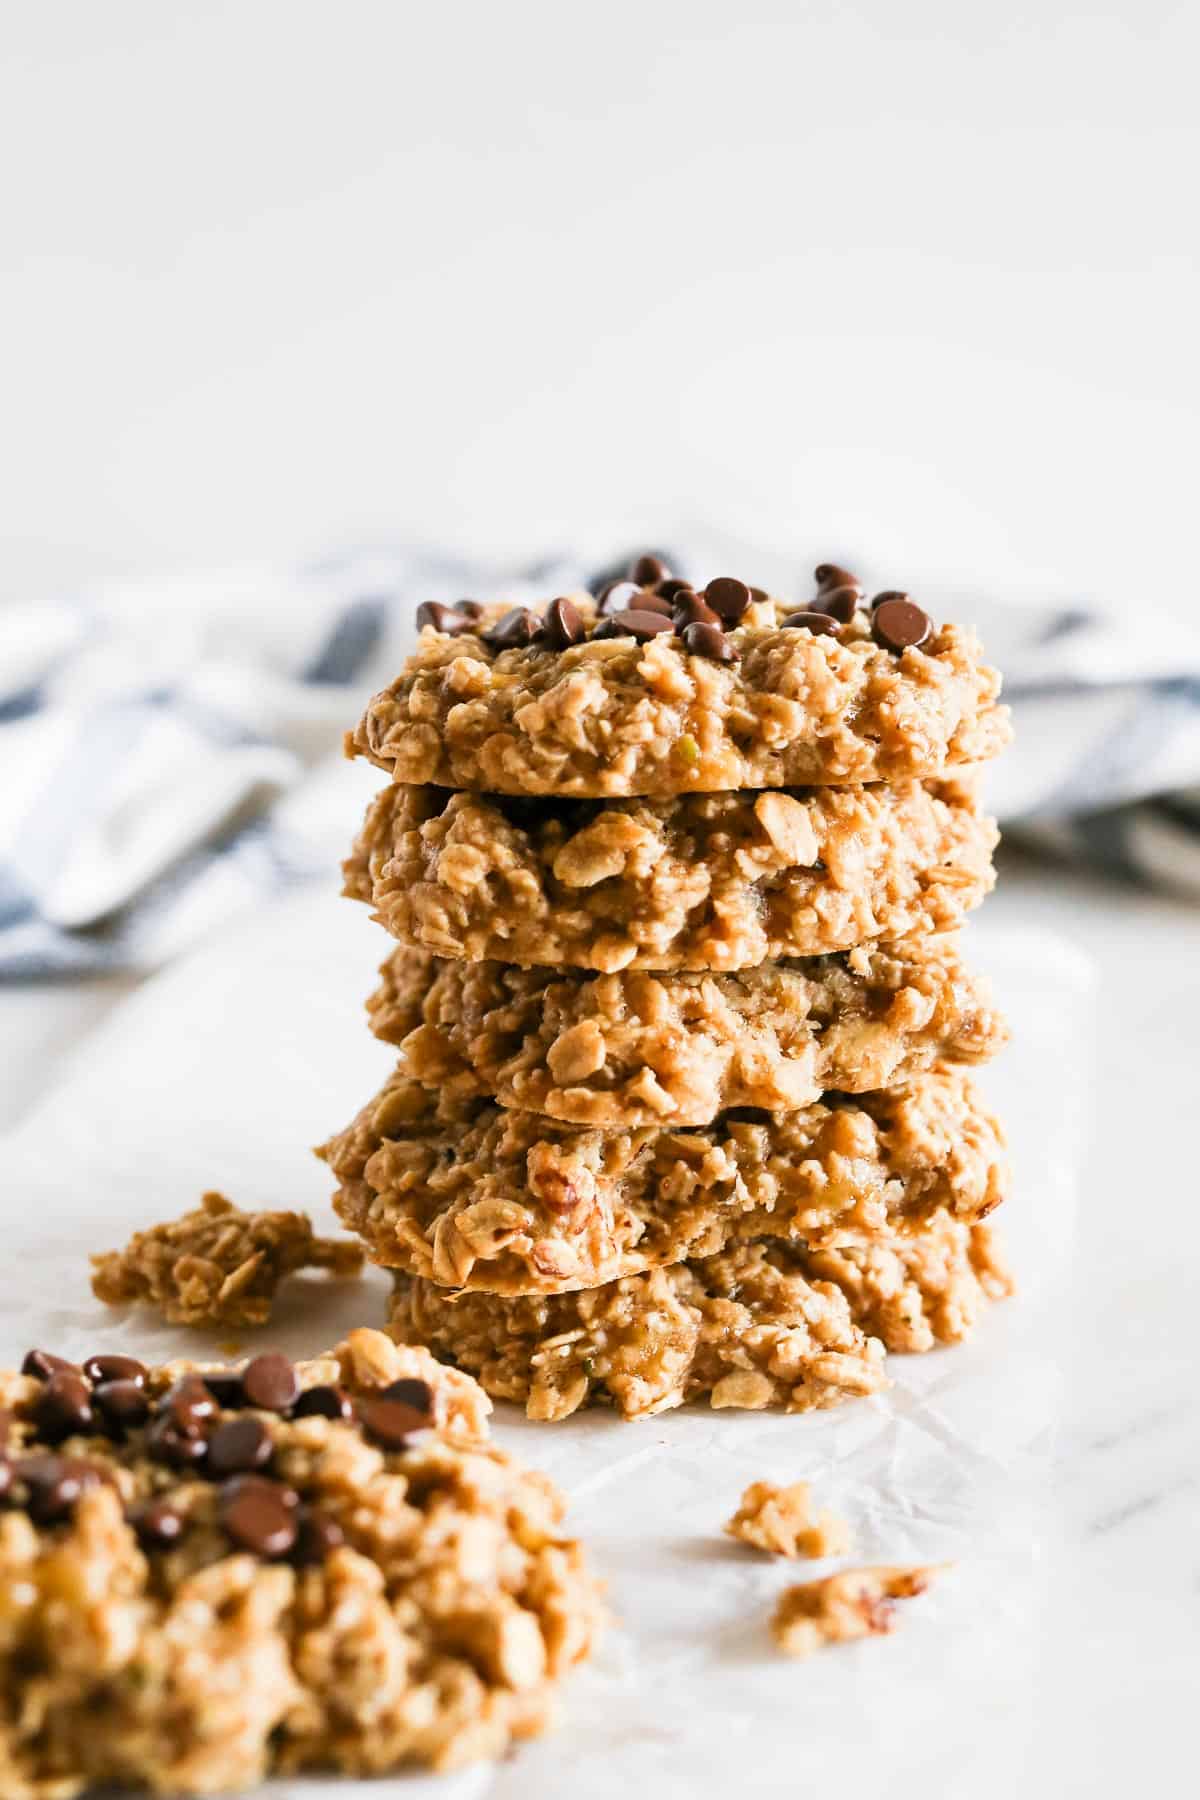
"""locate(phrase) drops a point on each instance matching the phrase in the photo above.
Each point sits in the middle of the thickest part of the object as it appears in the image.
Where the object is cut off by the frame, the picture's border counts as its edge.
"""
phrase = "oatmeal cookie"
(705, 881)
(612, 715)
(637, 1048)
(217, 1265)
(746, 1328)
(856, 1603)
(781, 1520)
(764, 1324)
(209, 1575)
(474, 1195)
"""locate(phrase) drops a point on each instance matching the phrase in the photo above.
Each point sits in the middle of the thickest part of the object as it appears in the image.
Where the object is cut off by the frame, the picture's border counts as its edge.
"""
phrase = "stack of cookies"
(682, 1106)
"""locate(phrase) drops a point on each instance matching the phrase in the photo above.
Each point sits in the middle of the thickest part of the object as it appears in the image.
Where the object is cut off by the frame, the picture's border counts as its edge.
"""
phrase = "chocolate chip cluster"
(185, 1429)
(649, 600)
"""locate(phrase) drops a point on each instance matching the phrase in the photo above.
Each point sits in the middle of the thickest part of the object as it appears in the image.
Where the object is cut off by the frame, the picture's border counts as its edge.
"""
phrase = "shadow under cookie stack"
(682, 1105)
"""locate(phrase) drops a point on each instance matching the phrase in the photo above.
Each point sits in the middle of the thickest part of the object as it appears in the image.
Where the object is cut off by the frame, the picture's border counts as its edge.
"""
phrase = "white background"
(917, 283)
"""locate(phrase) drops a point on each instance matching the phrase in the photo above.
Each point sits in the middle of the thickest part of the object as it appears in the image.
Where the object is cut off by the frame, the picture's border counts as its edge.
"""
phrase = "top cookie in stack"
(655, 858)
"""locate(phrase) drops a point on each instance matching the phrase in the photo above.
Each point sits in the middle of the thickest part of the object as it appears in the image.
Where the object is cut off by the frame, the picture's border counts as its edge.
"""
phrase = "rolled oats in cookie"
(762, 1324)
(855, 1603)
(643, 705)
(355, 1585)
(705, 881)
(745, 1328)
(474, 1195)
(639, 1048)
(217, 1265)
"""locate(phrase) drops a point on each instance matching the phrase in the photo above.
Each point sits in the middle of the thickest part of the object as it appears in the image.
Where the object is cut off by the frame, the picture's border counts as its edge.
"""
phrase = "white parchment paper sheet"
(224, 1069)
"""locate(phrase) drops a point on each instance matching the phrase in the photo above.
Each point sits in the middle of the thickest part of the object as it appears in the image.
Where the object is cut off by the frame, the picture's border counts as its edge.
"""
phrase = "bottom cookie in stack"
(763, 1324)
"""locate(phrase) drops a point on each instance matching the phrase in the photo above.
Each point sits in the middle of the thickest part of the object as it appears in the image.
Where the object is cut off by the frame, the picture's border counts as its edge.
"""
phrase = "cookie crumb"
(217, 1265)
(781, 1519)
(855, 1603)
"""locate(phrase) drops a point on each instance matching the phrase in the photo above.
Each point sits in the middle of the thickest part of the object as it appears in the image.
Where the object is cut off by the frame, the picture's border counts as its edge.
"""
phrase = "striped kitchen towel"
(170, 753)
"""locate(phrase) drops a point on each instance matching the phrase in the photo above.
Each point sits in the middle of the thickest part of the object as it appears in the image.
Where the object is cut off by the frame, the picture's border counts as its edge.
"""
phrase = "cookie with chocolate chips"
(223, 1573)
(659, 687)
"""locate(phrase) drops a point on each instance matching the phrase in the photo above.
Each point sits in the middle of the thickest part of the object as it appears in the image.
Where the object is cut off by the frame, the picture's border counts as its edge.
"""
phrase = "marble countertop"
(1118, 1626)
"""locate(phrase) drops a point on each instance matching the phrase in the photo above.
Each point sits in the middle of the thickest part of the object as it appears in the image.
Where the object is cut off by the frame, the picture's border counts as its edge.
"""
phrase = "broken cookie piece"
(855, 1603)
(781, 1519)
(217, 1265)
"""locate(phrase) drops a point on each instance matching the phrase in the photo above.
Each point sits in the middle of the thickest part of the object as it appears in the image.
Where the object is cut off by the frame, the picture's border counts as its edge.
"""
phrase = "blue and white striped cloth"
(171, 755)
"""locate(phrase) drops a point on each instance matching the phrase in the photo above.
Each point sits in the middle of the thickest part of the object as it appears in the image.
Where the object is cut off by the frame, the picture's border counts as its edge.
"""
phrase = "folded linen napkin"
(170, 753)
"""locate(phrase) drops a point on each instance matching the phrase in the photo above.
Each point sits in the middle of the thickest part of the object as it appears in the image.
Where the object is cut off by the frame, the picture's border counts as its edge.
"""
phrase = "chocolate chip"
(270, 1382)
(841, 603)
(323, 1403)
(157, 1523)
(122, 1406)
(42, 1364)
(470, 609)
(759, 596)
(166, 1443)
(189, 1406)
(821, 624)
(225, 1386)
(899, 623)
(316, 1538)
(392, 1422)
(637, 623)
(703, 639)
(649, 570)
(617, 596)
(564, 625)
(728, 597)
(517, 627)
(238, 1484)
(258, 1518)
(690, 609)
(63, 1408)
(672, 588)
(238, 1446)
(888, 594)
(116, 1368)
(54, 1484)
(410, 1390)
(650, 602)
(829, 575)
(446, 619)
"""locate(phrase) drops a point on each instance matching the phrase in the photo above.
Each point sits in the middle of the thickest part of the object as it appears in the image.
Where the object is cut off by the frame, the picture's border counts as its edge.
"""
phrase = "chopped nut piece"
(781, 1519)
(856, 1603)
(217, 1265)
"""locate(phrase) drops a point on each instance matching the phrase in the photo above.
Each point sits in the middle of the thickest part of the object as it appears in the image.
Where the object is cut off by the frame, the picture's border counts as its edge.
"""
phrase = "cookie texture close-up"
(765, 1324)
(624, 713)
(746, 1328)
(703, 881)
(678, 1048)
(211, 1575)
(473, 1195)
